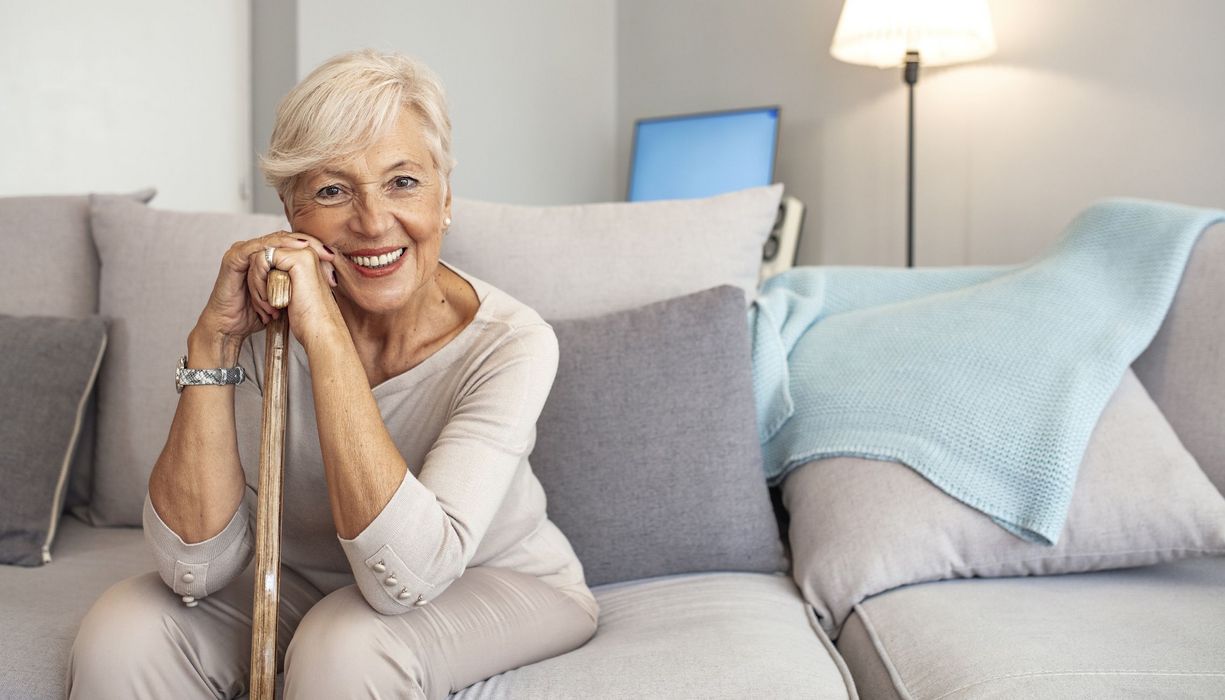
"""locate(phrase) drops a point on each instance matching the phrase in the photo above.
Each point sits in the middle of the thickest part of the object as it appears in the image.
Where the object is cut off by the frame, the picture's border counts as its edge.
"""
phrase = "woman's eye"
(403, 182)
(329, 192)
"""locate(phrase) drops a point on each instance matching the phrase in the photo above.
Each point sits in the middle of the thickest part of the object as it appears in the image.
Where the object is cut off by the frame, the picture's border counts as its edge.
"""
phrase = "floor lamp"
(891, 33)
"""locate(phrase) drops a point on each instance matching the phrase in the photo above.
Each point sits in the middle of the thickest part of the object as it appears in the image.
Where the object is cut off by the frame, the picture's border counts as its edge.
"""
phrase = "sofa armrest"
(1184, 367)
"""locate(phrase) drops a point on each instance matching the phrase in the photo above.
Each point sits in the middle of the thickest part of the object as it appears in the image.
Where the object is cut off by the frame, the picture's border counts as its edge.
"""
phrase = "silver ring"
(268, 253)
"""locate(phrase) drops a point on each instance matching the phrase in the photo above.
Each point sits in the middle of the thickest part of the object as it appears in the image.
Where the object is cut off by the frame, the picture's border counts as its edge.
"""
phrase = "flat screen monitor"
(700, 155)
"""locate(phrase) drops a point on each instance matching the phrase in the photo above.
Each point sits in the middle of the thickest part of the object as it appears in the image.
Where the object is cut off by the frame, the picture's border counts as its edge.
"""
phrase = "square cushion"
(647, 446)
(719, 636)
(860, 527)
(158, 269)
(55, 228)
(587, 259)
(47, 371)
(1151, 632)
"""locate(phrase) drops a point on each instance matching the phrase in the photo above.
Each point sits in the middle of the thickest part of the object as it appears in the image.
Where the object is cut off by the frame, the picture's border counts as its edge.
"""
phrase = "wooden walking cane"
(271, 481)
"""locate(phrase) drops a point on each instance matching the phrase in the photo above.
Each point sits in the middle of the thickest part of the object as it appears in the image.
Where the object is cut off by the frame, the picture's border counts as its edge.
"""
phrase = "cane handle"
(278, 289)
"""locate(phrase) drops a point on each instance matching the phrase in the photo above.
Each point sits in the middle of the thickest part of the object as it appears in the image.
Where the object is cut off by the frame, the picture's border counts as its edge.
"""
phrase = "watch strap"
(220, 376)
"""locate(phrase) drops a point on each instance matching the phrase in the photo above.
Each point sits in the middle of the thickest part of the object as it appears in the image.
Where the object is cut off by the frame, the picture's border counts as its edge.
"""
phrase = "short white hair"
(349, 102)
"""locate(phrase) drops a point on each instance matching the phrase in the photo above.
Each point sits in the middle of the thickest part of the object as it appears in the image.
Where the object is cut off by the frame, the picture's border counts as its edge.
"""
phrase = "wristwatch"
(204, 377)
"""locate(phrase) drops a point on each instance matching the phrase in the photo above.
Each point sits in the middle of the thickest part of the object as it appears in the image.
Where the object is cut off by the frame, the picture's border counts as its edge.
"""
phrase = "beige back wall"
(127, 94)
(531, 85)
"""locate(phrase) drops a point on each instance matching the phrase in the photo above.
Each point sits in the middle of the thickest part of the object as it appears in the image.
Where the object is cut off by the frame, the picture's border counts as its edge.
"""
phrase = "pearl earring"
(446, 223)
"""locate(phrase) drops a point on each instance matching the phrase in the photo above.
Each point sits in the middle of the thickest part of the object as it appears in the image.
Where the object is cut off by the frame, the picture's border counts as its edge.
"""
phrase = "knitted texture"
(988, 381)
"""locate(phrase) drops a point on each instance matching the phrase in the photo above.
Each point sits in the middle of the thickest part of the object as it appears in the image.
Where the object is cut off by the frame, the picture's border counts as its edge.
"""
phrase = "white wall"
(531, 85)
(126, 94)
(1085, 98)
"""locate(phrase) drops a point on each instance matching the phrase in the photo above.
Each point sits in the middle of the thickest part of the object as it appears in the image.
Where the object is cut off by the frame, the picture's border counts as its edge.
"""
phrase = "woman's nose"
(373, 216)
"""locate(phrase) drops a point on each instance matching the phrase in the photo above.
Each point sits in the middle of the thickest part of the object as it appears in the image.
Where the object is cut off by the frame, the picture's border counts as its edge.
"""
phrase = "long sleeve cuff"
(377, 555)
(196, 570)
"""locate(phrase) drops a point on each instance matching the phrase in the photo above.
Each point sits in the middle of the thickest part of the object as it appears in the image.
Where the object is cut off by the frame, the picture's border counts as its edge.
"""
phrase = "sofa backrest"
(158, 268)
(579, 261)
(49, 266)
(1184, 367)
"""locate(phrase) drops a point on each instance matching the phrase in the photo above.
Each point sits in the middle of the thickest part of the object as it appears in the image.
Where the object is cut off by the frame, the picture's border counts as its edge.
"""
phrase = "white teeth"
(377, 260)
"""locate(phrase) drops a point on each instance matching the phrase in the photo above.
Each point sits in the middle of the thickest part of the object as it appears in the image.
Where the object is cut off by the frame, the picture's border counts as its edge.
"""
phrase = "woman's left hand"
(312, 308)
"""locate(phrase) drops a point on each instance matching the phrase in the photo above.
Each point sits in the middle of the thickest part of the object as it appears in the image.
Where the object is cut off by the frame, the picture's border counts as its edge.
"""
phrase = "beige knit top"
(465, 422)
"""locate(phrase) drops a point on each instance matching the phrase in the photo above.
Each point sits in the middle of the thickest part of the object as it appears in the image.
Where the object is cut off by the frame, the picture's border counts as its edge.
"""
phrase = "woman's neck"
(393, 343)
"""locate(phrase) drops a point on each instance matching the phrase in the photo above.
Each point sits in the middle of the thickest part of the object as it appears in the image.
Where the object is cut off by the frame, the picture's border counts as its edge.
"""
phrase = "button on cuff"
(190, 579)
(398, 583)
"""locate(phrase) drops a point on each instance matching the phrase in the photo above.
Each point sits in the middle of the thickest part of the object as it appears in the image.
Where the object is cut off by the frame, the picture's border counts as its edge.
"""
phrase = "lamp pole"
(910, 75)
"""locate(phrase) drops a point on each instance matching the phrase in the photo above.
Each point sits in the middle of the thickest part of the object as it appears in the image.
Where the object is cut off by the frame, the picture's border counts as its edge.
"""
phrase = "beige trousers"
(140, 641)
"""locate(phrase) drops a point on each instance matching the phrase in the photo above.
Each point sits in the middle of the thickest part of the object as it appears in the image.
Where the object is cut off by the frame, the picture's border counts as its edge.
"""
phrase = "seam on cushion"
(1184, 551)
(61, 483)
(947, 574)
(1118, 672)
(847, 679)
(895, 674)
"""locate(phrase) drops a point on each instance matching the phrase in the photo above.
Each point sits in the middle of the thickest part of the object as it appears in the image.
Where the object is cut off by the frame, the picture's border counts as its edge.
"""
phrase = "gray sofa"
(698, 594)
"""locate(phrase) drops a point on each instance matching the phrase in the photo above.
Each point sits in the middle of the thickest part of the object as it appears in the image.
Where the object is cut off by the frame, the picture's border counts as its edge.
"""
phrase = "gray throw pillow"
(47, 370)
(860, 527)
(579, 260)
(55, 227)
(647, 447)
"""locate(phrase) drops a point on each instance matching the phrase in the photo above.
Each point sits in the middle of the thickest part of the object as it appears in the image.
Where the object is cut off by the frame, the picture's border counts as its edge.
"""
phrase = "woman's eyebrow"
(331, 172)
(400, 164)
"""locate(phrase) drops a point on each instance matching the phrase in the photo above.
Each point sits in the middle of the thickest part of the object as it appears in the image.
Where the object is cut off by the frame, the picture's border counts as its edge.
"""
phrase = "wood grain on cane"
(270, 499)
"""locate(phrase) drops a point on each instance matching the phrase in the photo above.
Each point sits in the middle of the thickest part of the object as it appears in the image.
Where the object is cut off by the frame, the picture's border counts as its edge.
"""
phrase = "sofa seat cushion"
(1146, 632)
(41, 608)
(720, 635)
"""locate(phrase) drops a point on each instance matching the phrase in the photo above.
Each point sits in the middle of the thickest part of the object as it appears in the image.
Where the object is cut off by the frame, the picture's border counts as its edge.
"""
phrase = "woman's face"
(382, 212)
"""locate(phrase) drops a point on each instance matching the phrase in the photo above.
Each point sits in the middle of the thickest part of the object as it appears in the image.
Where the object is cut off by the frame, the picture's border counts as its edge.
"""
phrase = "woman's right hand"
(236, 308)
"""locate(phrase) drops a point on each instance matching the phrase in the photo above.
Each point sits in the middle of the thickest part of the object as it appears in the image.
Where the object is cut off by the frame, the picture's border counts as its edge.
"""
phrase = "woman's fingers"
(245, 268)
(329, 272)
(295, 240)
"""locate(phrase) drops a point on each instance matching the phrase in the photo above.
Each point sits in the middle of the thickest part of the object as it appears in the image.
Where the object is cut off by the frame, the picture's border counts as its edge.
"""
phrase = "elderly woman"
(418, 558)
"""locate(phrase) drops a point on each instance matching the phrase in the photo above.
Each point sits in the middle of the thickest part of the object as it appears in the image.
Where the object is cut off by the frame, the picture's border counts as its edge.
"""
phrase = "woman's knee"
(139, 640)
(126, 625)
(343, 645)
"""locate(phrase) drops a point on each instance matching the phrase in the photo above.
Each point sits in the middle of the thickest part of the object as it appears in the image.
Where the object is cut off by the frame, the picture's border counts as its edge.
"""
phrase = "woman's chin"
(378, 306)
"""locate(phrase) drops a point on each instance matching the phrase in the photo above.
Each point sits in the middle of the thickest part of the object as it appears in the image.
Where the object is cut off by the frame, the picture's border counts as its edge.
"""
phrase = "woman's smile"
(376, 262)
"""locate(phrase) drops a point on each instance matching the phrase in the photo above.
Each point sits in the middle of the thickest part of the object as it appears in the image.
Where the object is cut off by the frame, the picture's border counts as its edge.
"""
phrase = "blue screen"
(703, 155)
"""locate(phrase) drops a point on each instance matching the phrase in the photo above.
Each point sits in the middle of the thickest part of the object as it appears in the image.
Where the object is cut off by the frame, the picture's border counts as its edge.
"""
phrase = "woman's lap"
(140, 640)
(488, 621)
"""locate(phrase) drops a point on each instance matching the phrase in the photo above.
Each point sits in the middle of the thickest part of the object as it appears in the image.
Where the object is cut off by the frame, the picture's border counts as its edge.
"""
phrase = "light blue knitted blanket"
(986, 380)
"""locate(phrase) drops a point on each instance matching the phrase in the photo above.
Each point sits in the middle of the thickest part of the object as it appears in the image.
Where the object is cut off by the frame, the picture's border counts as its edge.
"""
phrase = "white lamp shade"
(880, 32)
